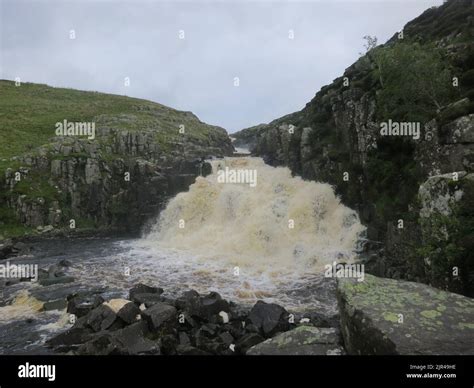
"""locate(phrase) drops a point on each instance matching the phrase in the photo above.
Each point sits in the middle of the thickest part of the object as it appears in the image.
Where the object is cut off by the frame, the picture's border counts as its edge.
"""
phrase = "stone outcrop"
(387, 316)
(116, 181)
(302, 341)
(336, 138)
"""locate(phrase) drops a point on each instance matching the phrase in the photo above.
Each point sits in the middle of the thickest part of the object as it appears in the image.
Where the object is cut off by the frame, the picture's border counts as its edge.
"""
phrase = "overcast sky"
(222, 40)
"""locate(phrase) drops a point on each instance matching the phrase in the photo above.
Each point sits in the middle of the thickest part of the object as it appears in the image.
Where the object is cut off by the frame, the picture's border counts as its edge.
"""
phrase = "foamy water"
(284, 224)
(236, 240)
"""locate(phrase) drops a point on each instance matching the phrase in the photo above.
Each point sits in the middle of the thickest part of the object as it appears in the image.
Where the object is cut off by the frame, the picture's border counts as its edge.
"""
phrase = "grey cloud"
(224, 40)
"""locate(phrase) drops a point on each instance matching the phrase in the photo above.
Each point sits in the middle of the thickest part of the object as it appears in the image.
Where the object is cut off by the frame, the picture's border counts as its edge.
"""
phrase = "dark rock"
(131, 340)
(58, 304)
(203, 307)
(59, 291)
(81, 304)
(158, 315)
(65, 341)
(247, 341)
(20, 247)
(213, 304)
(235, 328)
(101, 318)
(304, 340)
(184, 338)
(188, 298)
(226, 338)
(210, 329)
(147, 299)
(144, 289)
(387, 316)
(321, 320)
(269, 318)
(6, 249)
(129, 313)
(187, 322)
(101, 345)
(251, 328)
(169, 343)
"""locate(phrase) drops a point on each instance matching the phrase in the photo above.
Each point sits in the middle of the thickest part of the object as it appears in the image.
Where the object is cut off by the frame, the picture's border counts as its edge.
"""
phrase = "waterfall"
(279, 223)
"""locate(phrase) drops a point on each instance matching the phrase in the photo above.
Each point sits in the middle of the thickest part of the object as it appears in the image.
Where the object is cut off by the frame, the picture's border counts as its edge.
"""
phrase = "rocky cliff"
(412, 186)
(140, 154)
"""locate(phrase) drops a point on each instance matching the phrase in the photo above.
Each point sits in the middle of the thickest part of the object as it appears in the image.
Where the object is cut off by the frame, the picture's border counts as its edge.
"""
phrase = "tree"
(370, 46)
(416, 81)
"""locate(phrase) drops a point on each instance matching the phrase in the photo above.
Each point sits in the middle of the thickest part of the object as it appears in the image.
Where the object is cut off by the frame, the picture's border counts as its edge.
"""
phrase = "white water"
(227, 225)
(236, 225)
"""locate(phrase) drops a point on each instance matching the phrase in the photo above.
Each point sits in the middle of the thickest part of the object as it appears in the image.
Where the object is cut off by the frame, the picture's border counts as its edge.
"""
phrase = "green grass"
(29, 112)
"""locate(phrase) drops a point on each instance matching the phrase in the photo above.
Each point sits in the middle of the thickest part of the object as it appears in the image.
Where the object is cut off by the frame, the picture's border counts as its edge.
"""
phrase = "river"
(268, 241)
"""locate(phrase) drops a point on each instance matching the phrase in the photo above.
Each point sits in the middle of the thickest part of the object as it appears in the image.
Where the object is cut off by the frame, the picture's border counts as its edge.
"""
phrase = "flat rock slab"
(302, 341)
(387, 316)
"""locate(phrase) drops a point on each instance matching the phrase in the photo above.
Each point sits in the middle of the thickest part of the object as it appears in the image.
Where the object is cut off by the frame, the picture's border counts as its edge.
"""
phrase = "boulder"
(387, 316)
(101, 318)
(168, 344)
(81, 304)
(269, 318)
(247, 341)
(184, 339)
(58, 304)
(148, 299)
(204, 307)
(6, 249)
(187, 299)
(101, 345)
(158, 315)
(301, 341)
(70, 339)
(129, 313)
(144, 289)
(131, 340)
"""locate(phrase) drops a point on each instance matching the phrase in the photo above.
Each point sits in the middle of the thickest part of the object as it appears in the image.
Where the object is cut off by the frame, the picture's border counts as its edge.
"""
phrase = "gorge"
(145, 247)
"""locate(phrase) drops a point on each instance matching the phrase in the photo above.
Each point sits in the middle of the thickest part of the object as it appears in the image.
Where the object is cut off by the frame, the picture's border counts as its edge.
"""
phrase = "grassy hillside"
(128, 132)
(29, 112)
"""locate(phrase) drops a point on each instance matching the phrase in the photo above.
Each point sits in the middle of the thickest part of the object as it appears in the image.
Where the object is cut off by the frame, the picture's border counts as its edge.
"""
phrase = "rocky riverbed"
(76, 308)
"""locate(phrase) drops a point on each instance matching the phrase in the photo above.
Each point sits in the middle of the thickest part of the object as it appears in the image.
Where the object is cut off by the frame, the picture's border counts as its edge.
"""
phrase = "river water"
(269, 241)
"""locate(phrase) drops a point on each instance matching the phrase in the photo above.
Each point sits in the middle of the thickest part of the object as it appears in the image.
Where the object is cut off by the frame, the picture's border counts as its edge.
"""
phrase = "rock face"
(269, 318)
(302, 341)
(337, 139)
(387, 316)
(446, 230)
(116, 181)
